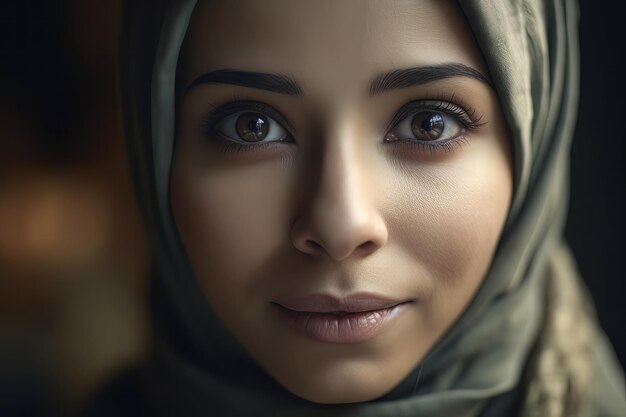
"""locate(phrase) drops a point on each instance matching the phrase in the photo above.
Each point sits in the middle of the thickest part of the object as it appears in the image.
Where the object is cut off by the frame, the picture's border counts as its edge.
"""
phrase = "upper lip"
(353, 303)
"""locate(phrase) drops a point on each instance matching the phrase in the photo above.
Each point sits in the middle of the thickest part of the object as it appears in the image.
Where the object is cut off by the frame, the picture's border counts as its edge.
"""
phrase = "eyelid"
(213, 119)
(465, 116)
(403, 129)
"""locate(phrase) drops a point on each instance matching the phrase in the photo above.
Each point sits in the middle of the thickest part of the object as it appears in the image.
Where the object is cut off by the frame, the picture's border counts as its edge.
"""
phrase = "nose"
(340, 217)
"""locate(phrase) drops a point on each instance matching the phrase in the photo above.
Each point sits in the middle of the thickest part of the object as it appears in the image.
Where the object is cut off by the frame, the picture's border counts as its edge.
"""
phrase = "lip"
(352, 319)
(354, 303)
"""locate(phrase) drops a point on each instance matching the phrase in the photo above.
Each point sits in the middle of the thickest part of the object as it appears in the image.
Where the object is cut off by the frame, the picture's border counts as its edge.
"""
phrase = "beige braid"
(559, 374)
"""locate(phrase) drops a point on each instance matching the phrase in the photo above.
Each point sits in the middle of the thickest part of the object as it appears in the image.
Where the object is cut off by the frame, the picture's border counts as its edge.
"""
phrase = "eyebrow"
(392, 80)
(402, 78)
(277, 83)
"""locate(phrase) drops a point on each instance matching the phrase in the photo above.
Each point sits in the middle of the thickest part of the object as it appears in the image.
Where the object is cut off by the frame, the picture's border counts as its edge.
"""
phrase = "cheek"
(232, 224)
(456, 214)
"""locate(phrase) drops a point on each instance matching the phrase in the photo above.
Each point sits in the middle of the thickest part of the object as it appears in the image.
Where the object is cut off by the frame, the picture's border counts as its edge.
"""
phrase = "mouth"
(352, 319)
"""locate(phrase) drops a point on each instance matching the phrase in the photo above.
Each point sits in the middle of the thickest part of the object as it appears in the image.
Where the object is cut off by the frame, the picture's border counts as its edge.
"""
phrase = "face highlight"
(329, 148)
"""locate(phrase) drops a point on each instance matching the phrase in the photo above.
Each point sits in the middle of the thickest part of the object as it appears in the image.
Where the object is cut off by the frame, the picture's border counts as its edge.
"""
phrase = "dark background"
(596, 226)
(72, 295)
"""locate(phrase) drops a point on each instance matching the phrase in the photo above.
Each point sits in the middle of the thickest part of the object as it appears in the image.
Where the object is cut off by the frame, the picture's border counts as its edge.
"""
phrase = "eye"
(427, 126)
(251, 127)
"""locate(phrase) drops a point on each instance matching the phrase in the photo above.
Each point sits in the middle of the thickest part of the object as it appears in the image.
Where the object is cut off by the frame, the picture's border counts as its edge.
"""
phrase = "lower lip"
(347, 328)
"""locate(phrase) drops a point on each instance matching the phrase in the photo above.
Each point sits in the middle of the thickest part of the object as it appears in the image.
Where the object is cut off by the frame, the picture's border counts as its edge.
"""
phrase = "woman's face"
(341, 177)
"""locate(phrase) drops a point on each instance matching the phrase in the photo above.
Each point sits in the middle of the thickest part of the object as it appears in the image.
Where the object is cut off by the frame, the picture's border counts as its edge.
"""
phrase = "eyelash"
(448, 104)
(238, 104)
(464, 114)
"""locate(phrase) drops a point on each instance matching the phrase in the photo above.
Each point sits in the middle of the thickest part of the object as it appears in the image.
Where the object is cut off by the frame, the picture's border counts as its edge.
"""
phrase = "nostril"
(367, 247)
(314, 246)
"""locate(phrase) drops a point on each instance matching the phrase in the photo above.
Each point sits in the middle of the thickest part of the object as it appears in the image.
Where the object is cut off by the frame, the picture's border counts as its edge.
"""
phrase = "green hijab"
(529, 328)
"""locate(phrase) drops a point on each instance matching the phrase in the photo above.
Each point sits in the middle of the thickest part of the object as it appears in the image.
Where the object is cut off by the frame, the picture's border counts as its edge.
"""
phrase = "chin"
(357, 385)
(322, 395)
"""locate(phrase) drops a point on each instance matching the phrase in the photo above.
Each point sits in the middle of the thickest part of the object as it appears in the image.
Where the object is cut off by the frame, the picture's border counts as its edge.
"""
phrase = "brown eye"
(427, 125)
(252, 127)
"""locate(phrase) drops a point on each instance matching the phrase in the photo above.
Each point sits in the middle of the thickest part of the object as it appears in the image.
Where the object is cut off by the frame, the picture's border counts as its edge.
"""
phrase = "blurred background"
(73, 258)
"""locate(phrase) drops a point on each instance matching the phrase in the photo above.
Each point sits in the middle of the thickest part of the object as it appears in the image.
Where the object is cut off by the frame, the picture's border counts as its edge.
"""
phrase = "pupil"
(431, 122)
(256, 126)
(428, 125)
(252, 127)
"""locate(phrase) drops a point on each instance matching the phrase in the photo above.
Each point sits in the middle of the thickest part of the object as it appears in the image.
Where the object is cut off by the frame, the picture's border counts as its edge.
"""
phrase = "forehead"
(326, 44)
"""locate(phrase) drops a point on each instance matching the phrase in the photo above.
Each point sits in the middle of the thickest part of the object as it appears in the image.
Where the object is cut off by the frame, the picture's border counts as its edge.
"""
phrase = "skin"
(337, 210)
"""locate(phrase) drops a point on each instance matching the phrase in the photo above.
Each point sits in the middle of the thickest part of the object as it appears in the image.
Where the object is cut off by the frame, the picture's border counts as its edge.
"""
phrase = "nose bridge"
(340, 217)
(342, 177)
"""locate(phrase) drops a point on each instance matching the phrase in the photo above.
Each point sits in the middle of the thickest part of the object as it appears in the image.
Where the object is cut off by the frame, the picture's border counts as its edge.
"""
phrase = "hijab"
(508, 338)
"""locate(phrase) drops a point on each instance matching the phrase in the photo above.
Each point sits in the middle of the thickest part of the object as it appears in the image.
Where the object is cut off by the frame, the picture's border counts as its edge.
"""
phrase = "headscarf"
(511, 336)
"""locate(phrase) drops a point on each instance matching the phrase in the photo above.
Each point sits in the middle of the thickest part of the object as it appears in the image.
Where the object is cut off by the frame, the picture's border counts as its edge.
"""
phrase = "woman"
(357, 209)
